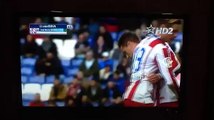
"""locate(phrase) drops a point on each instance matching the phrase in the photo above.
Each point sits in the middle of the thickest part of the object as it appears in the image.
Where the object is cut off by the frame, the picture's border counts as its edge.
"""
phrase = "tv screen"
(100, 61)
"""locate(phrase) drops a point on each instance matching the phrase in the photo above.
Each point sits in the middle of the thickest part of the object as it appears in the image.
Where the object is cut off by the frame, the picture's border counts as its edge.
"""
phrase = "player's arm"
(167, 64)
(154, 78)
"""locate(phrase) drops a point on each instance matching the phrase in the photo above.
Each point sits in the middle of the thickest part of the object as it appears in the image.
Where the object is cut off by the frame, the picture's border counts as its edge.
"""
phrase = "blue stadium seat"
(27, 71)
(60, 104)
(61, 77)
(67, 80)
(24, 79)
(103, 64)
(37, 79)
(119, 35)
(91, 41)
(49, 79)
(76, 62)
(28, 62)
(28, 96)
(66, 63)
(25, 102)
(114, 35)
(72, 71)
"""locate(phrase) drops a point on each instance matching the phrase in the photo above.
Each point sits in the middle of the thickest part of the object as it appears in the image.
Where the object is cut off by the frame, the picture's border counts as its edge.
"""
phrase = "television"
(72, 61)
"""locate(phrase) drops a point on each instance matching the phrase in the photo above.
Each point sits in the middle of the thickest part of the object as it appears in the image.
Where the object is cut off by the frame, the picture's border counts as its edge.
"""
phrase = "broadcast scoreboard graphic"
(49, 29)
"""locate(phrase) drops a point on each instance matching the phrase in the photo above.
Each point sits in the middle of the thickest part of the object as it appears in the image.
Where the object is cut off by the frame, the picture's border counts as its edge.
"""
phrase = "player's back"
(141, 89)
(144, 58)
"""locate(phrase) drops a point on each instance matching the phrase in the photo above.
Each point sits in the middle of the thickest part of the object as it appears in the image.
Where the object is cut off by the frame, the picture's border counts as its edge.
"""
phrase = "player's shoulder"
(155, 41)
(157, 45)
(152, 41)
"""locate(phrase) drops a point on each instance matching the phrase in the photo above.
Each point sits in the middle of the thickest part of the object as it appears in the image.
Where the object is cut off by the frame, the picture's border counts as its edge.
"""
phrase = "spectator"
(100, 47)
(124, 67)
(75, 21)
(86, 101)
(105, 60)
(48, 46)
(58, 91)
(94, 93)
(50, 65)
(84, 81)
(120, 81)
(105, 73)
(30, 47)
(138, 33)
(107, 37)
(176, 43)
(80, 76)
(89, 66)
(74, 94)
(116, 55)
(112, 95)
(82, 45)
(143, 29)
(37, 101)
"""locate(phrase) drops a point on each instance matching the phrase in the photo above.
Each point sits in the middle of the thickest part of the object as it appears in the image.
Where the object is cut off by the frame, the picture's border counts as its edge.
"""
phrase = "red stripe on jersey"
(157, 94)
(155, 42)
(174, 82)
(174, 61)
(131, 94)
(170, 70)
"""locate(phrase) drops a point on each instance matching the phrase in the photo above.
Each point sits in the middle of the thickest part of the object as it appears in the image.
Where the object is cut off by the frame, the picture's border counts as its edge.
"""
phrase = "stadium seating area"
(33, 83)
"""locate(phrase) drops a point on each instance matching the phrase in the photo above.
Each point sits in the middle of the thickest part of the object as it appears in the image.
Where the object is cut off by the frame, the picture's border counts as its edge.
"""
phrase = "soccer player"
(149, 56)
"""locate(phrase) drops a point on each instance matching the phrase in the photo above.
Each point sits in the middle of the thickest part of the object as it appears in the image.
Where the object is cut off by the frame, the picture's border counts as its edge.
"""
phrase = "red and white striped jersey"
(152, 55)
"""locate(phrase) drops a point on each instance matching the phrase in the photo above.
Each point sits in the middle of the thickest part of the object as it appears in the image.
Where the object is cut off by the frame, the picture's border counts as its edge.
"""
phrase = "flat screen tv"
(76, 61)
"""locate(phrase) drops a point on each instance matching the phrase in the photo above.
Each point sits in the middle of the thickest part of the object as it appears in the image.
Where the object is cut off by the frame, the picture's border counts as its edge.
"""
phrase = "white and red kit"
(152, 55)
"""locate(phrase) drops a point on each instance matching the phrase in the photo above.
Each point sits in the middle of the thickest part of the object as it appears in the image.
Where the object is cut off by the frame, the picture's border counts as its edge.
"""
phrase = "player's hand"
(154, 78)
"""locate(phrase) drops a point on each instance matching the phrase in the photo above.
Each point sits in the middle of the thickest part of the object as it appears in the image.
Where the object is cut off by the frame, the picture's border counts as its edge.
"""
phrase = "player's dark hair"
(127, 36)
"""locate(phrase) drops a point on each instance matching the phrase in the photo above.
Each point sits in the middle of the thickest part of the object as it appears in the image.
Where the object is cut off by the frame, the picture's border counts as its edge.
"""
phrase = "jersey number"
(137, 60)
